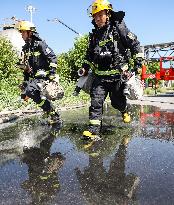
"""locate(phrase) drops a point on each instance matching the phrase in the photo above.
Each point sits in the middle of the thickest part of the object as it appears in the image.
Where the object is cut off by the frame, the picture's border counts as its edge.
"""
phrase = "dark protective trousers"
(33, 91)
(102, 86)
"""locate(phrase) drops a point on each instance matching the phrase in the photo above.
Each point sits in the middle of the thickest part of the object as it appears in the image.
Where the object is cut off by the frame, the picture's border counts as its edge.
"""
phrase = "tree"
(153, 67)
(8, 60)
(10, 75)
(70, 62)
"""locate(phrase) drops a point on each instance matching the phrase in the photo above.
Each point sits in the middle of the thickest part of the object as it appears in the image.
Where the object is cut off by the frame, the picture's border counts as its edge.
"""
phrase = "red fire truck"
(166, 70)
(166, 61)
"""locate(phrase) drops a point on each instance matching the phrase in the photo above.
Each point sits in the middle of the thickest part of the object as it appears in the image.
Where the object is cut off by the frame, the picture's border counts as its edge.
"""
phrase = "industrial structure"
(10, 33)
(162, 53)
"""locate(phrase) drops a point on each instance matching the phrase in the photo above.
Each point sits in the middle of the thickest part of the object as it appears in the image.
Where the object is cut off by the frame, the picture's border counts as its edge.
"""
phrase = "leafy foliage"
(63, 68)
(8, 60)
(153, 67)
(9, 93)
(11, 76)
(70, 62)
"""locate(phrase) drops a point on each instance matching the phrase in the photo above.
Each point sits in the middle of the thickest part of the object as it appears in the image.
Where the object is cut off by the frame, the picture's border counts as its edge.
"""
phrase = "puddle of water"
(132, 164)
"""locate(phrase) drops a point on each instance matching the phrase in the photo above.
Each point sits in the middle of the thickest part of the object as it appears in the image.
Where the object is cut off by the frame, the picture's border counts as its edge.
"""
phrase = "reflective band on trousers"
(41, 103)
(94, 122)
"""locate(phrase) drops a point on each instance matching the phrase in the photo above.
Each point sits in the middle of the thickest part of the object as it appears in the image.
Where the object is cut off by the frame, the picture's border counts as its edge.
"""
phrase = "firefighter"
(43, 166)
(111, 45)
(40, 65)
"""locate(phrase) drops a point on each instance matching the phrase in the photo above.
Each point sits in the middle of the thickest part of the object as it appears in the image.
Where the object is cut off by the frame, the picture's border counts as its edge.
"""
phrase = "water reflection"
(112, 186)
(42, 183)
(157, 123)
(28, 132)
(133, 164)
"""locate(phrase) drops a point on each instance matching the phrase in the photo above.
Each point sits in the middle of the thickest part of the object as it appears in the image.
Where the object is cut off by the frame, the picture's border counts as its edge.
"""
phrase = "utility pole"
(31, 10)
(56, 20)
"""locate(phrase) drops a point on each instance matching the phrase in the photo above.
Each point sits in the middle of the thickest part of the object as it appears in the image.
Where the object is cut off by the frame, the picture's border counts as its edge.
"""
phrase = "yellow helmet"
(99, 5)
(25, 26)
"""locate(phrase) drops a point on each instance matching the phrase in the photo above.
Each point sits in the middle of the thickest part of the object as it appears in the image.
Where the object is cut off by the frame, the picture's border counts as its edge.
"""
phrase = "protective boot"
(126, 117)
(54, 118)
(87, 135)
(93, 133)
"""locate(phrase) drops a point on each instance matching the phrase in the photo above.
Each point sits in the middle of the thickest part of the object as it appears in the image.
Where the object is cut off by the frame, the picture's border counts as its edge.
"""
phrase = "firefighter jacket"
(110, 47)
(39, 58)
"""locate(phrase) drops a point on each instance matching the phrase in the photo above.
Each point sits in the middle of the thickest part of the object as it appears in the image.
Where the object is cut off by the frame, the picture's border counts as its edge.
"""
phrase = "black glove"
(52, 73)
(138, 62)
(23, 85)
(84, 69)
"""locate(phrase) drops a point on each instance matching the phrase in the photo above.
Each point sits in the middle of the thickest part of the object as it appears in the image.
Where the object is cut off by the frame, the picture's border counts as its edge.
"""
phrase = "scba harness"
(109, 52)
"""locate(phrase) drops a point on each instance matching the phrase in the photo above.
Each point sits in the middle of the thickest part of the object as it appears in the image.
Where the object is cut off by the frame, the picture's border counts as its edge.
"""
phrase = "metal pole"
(155, 86)
(31, 9)
(59, 21)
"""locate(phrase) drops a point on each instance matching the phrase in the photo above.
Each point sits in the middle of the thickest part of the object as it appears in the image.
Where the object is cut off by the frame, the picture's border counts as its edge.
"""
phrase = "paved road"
(164, 101)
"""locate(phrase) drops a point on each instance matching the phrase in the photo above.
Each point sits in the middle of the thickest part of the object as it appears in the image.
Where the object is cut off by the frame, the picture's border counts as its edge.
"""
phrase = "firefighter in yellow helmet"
(100, 5)
(111, 45)
(26, 26)
(40, 63)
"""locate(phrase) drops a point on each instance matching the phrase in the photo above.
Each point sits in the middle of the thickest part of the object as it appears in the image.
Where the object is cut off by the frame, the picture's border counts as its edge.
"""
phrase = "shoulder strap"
(116, 29)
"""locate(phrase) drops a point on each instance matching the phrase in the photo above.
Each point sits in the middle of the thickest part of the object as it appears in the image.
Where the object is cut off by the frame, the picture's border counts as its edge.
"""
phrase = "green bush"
(11, 76)
(63, 68)
(70, 62)
(152, 67)
(69, 99)
(8, 60)
(149, 91)
(162, 90)
(9, 93)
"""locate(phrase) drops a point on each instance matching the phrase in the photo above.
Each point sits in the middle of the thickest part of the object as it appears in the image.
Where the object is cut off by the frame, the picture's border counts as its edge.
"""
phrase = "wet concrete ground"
(132, 164)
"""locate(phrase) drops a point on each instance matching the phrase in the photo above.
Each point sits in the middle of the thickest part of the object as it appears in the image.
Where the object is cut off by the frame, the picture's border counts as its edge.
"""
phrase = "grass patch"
(10, 97)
